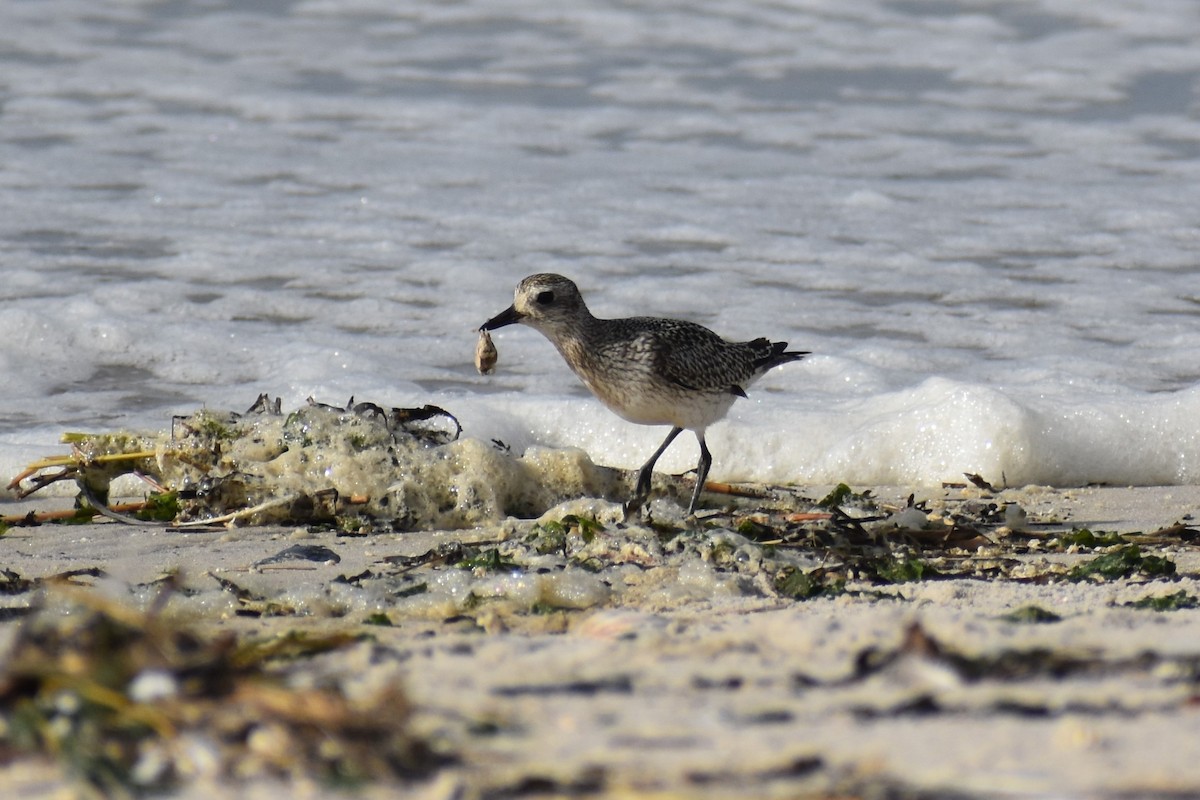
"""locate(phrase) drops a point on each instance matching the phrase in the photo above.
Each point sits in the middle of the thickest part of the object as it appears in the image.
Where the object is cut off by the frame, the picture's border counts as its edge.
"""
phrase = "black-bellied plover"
(649, 370)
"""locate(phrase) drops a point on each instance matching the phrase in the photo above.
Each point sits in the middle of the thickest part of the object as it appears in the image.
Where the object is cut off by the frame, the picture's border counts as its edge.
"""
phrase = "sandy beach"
(686, 676)
(248, 248)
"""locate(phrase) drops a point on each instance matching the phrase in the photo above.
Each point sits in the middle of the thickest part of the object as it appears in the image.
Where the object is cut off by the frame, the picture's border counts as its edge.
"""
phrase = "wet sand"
(692, 685)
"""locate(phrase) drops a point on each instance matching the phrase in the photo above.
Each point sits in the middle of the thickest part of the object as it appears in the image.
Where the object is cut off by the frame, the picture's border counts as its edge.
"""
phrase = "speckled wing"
(695, 358)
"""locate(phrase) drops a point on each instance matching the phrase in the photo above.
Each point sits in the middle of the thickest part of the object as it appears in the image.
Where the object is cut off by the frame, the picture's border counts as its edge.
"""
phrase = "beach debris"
(1015, 518)
(1178, 533)
(359, 467)
(979, 482)
(129, 702)
(1031, 615)
(1082, 538)
(1123, 562)
(910, 518)
(901, 569)
(844, 498)
(301, 552)
(958, 666)
(486, 354)
(1176, 601)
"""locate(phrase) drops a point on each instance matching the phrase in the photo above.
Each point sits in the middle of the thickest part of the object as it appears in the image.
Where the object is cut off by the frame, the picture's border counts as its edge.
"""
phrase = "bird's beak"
(508, 316)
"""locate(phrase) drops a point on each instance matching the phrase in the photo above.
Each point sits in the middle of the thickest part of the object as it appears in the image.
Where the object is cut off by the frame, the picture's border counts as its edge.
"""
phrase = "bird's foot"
(640, 498)
(636, 507)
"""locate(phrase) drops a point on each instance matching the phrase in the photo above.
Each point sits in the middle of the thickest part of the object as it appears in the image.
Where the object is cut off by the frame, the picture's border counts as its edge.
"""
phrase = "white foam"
(931, 433)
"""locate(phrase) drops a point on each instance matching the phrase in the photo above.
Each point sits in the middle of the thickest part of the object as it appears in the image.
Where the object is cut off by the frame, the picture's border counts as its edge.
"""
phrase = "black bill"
(508, 316)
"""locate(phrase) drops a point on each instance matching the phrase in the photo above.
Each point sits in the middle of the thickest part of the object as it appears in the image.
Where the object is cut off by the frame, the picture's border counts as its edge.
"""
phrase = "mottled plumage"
(649, 370)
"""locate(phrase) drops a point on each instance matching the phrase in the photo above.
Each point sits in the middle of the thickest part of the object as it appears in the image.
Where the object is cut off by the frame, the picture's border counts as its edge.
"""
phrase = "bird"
(647, 370)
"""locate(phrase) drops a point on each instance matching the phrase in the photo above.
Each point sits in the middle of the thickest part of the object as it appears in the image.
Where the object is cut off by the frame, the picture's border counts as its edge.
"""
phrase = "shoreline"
(697, 682)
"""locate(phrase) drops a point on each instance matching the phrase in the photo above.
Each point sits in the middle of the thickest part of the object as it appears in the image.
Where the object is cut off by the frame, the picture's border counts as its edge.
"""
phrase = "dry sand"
(694, 687)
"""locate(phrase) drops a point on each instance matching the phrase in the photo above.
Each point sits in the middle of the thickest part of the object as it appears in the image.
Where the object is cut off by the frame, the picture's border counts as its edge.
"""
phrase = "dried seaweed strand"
(35, 518)
(239, 514)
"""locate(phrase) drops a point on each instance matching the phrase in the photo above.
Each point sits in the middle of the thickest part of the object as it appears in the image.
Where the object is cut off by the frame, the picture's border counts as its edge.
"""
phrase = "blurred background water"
(981, 217)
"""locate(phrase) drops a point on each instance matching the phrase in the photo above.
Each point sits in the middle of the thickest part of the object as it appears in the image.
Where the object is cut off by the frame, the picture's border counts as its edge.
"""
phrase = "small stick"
(808, 516)
(717, 487)
(245, 512)
(52, 516)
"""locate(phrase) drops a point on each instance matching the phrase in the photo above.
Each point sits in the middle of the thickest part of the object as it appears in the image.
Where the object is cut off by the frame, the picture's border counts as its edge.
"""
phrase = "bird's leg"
(642, 491)
(701, 473)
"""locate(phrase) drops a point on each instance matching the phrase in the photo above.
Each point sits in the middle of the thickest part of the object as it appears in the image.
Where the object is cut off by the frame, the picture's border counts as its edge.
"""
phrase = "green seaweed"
(756, 531)
(840, 494)
(588, 527)
(1031, 615)
(162, 507)
(553, 537)
(843, 496)
(894, 569)
(1170, 602)
(489, 560)
(797, 584)
(84, 515)
(212, 426)
(67, 692)
(1082, 537)
(412, 591)
(1123, 562)
(548, 538)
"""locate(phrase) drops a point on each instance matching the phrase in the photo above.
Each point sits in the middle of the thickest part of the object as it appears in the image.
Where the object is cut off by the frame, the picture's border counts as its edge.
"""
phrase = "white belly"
(693, 411)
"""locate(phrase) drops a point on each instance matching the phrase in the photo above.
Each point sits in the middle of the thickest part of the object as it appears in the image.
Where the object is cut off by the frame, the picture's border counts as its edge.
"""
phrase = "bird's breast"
(626, 381)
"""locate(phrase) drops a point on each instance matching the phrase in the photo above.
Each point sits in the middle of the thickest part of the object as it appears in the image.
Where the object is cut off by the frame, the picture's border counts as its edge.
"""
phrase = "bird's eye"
(545, 298)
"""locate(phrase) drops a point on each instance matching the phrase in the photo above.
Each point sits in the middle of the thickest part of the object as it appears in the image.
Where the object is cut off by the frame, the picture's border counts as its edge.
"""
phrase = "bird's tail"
(772, 354)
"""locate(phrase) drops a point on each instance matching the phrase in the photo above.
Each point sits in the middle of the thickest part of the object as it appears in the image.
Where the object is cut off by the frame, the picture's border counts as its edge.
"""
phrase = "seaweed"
(162, 507)
(358, 468)
(1171, 602)
(1124, 562)
(843, 495)
(557, 537)
(900, 569)
(548, 538)
(1082, 537)
(797, 584)
(587, 527)
(1035, 615)
(756, 530)
(489, 560)
(107, 691)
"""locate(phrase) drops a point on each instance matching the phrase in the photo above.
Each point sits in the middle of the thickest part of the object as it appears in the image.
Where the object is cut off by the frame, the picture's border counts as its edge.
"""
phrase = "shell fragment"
(485, 354)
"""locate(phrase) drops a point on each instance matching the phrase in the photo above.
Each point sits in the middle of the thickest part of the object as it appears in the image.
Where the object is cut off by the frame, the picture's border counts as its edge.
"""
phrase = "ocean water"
(983, 219)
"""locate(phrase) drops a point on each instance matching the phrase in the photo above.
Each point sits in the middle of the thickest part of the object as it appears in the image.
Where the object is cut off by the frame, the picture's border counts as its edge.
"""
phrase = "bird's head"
(547, 302)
